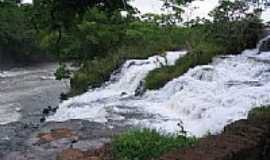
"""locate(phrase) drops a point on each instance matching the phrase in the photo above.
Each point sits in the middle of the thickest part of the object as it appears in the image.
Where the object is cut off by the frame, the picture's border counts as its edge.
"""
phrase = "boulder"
(265, 46)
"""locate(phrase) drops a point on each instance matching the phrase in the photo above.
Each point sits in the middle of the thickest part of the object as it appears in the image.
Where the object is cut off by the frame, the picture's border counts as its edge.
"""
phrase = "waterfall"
(204, 99)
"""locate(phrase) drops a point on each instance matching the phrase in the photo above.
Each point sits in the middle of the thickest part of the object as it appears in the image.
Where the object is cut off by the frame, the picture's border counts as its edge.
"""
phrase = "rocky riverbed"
(24, 95)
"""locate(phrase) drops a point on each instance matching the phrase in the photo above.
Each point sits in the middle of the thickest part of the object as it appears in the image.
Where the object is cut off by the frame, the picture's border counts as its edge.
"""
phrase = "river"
(26, 91)
(203, 101)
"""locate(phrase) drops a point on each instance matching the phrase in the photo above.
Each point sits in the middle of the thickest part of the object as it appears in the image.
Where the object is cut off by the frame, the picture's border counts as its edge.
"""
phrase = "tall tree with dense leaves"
(59, 17)
(17, 35)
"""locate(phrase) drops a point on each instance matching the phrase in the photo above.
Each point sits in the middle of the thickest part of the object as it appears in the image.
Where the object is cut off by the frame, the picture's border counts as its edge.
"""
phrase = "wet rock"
(63, 96)
(140, 89)
(85, 145)
(19, 141)
(55, 109)
(42, 120)
(49, 110)
(56, 134)
(265, 46)
(71, 154)
(204, 74)
(46, 111)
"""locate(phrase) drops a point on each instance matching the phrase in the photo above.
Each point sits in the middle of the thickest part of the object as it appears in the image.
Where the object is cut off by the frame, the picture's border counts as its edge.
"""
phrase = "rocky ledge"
(83, 140)
(70, 140)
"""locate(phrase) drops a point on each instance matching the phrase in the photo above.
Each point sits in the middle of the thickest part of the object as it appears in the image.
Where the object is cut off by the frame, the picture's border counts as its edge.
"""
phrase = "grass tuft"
(146, 144)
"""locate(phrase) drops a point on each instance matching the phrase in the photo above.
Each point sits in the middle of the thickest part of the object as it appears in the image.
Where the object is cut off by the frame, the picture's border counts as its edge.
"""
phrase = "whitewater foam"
(205, 99)
(124, 85)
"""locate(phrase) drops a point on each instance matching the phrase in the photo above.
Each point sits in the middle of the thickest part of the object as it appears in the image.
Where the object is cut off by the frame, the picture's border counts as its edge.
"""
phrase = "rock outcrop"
(241, 140)
(84, 140)
(264, 45)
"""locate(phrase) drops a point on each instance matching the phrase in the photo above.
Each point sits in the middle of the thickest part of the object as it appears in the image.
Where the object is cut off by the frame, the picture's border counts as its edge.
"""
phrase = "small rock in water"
(123, 93)
(63, 96)
(47, 110)
(42, 119)
(265, 46)
(18, 109)
(55, 109)
(140, 90)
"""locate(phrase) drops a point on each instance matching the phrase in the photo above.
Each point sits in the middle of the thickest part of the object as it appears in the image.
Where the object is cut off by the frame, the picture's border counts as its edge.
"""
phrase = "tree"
(17, 35)
(176, 7)
(229, 11)
(235, 26)
(62, 18)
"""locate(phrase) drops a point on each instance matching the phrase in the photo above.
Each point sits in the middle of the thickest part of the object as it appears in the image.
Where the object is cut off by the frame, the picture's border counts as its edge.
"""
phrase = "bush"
(260, 113)
(146, 144)
(200, 55)
(62, 72)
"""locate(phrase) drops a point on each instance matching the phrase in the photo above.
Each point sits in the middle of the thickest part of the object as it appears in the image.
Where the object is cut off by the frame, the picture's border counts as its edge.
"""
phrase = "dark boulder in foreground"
(241, 140)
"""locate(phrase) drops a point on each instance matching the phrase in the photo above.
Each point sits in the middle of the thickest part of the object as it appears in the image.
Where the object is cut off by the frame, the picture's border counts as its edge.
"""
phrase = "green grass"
(202, 54)
(260, 113)
(146, 144)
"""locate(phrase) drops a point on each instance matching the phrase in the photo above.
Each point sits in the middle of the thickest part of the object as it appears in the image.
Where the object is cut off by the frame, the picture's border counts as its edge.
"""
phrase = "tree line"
(101, 34)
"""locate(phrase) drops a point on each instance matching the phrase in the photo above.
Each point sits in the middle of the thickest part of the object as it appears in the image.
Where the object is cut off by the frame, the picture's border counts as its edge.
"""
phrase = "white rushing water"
(205, 99)
(94, 105)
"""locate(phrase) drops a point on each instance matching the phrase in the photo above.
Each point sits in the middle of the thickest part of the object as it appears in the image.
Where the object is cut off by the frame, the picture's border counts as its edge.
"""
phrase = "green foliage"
(229, 33)
(233, 21)
(62, 72)
(200, 55)
(18, 38)
(146, 144)
(260, 113)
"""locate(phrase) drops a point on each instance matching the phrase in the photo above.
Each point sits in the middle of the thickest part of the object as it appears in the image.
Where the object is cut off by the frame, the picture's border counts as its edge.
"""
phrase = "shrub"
(260, 113)
(62, 72)
(146, 144)
(200, 55)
